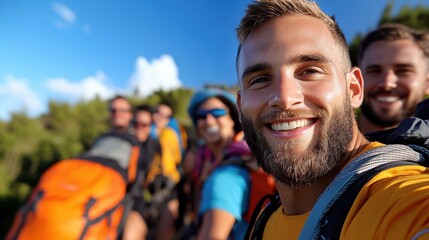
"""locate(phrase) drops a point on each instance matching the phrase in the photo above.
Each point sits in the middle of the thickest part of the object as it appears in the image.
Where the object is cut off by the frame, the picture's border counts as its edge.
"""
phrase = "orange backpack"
(86, 197)
(262, 185)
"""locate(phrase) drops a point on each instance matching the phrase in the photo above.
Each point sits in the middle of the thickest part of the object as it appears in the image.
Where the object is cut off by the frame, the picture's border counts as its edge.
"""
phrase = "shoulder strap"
(134, 188)
(334, 219)
(351, 173)
(259, 219)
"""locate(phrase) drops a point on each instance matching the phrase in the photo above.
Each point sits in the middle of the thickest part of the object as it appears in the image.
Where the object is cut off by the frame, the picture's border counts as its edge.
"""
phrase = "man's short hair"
(168, 104)
(145, 108)
(394, 32)
(116, 97)
(263, 11)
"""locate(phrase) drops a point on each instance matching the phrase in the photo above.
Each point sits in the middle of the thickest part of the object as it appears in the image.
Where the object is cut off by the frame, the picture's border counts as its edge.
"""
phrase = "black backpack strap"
(333, 221)
(134, 188)
(256, 227)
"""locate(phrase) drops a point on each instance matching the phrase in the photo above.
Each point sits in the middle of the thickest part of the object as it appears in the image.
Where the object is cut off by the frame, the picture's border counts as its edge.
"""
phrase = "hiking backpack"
(84, 198)
(238, 153)
(327, 217)
(261, 184)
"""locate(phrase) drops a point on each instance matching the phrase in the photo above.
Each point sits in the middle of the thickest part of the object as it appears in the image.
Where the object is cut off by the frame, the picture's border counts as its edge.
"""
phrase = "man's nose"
(389, 80)
(288, 92)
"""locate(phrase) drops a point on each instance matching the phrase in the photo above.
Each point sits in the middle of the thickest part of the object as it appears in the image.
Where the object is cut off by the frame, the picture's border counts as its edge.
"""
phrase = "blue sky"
(72, 50)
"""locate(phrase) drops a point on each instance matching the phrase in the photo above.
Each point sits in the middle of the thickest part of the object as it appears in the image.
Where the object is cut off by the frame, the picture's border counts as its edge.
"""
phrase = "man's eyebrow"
(255, 68)
(300, 58)
(310, 58)
(404, 65)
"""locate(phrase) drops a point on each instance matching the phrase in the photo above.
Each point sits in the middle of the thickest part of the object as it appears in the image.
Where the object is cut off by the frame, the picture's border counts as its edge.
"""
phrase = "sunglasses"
(164, 115)
(215, 112)
(122, 110)
(142, 124)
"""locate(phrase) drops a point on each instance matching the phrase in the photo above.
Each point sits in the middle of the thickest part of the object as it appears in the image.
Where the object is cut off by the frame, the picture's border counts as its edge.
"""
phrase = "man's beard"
(321, 157)
(382, 121)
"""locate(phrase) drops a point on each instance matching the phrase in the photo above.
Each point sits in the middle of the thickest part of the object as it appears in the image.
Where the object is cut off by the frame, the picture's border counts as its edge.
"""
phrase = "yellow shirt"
(392, 205)
(154, 169)
(171, 154)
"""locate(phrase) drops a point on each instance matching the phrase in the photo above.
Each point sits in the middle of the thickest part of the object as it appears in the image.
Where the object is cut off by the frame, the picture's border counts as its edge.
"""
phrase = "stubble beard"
(323, 155)
(380, 120)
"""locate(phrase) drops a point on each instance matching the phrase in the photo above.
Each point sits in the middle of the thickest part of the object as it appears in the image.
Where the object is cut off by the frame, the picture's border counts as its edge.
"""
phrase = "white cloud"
(67, 17)
(86, 89)
(16, 95)
(65, 13)
(161, 73)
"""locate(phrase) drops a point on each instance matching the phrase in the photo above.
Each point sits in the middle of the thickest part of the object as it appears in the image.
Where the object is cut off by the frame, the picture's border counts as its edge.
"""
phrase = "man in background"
(170, 139)
(120, 114)
(139, 218)
(394, 60)
(161, 118)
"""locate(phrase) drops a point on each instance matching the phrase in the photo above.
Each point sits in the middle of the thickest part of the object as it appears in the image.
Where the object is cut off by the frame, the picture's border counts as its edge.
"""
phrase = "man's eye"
(258, 80)
(310, 71)
(404, 72)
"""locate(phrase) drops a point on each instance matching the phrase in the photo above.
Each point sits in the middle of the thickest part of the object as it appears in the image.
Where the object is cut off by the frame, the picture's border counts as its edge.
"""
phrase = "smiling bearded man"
(297, 95)
(323, 156)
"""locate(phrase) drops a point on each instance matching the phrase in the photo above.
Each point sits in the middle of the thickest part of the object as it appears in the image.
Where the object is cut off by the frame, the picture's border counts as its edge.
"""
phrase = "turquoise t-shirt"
(228, 189)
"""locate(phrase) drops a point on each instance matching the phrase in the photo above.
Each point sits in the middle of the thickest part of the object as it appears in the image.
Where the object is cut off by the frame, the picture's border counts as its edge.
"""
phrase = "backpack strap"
(334, 219)
(351, 173)
(134, 188)
(259, 219)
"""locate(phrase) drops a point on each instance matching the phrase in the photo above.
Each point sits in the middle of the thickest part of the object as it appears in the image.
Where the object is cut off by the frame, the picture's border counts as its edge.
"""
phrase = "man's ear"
(238, 101)
(355, 87)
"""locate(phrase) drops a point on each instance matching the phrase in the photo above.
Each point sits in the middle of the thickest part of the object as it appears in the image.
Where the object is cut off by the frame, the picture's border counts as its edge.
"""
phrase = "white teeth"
(290, 125)
(387, 99)
(212, 130)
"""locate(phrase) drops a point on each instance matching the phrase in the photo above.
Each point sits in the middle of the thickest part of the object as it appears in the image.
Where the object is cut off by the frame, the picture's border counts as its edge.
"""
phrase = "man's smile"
(291, 125)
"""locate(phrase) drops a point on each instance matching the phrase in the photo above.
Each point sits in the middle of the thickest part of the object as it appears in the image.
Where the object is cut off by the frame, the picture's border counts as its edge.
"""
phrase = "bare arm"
(217, 225)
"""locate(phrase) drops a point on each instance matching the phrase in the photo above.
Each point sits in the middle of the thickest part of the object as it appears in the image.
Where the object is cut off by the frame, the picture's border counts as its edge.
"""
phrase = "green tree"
(19, 137)
(92, 119)
(417, 17)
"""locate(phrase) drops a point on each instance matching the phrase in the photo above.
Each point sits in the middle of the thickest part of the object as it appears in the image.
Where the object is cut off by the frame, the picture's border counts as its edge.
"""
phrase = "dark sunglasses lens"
(202, 114)
(140, 124)
(114, 110)
(217, 112)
